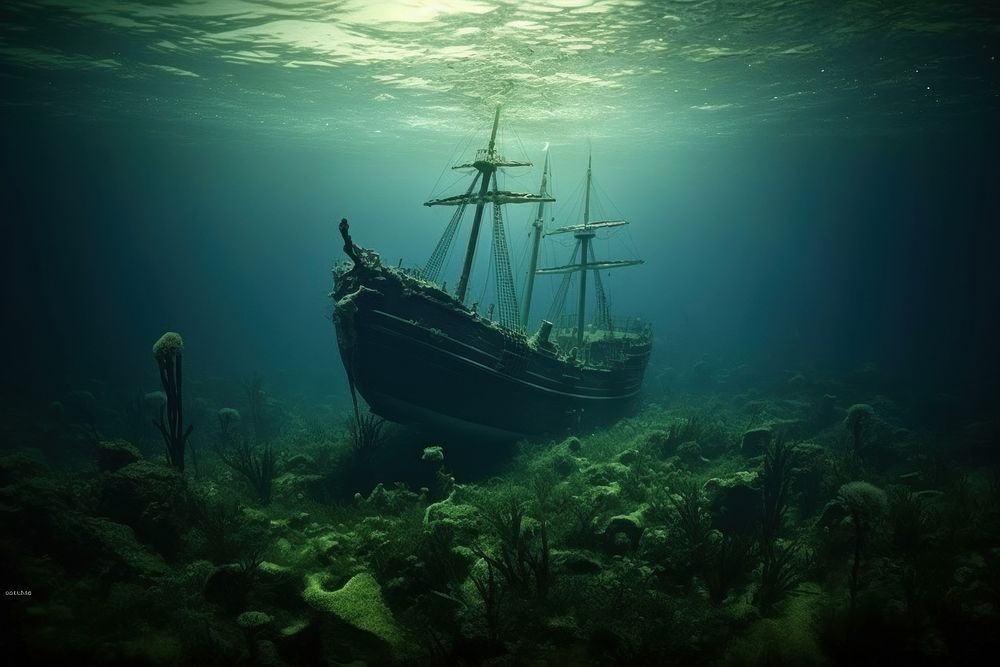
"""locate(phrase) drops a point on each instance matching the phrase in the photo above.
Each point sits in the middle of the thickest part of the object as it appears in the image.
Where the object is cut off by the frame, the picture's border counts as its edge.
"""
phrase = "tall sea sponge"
(864, 501)
(168, 346)
(867, 506)
(167, 352)
(860, 421)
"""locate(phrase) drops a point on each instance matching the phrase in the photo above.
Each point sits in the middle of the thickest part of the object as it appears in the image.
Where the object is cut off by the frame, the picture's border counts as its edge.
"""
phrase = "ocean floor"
(738, 518)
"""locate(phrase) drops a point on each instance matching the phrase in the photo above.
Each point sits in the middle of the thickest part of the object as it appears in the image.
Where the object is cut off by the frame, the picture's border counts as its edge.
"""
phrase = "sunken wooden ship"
(420, 354)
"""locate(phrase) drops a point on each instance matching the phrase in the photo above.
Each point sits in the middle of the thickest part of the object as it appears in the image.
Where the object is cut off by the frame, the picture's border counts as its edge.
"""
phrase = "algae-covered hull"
(418, 356)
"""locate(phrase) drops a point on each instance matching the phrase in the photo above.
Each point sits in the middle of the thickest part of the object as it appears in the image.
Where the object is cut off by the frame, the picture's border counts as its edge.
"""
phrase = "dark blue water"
(793, 252)
(809, 186)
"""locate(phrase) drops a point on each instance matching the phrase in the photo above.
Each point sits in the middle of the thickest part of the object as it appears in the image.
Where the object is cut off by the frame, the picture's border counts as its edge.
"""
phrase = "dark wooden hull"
(417, 356)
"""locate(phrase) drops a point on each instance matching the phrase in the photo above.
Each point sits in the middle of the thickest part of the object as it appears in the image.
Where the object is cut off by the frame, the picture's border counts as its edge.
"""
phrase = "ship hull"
(418, 356)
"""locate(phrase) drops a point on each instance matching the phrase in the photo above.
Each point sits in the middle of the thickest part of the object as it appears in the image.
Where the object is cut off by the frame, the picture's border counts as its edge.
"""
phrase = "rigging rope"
(559, 301)
(504, 279)
(602, 318)
(432, 269)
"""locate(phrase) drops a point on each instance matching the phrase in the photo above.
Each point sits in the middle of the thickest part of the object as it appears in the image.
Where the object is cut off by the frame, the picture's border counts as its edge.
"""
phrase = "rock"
(824, 411)
(603, 474)
(253, 620)
(18, 467)
(734, 502)
(292, 486)
(277, 585)
(357, 611)
(576, 562)
(657, 442)
(755, 441)
(810, 467)
(227, 586)
(460, 516)
(563, 464)
(113, 455)
(572, 444)
(151, 498)
(860, 421)
(300, 463)
(689, 453)
(631, 526)
(628, 457)
(299, 643)
(90, 544)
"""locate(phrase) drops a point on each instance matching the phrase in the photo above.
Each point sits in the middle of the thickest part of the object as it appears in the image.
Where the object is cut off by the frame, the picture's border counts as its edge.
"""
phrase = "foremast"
(487, 162)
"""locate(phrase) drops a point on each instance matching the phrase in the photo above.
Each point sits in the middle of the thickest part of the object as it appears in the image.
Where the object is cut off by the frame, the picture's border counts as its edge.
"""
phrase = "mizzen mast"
(584, 234)
(536, 230)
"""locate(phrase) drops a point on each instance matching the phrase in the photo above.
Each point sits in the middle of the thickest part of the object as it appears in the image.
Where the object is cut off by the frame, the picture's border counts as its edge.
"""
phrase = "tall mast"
(536, 239)
(584, 236)
(486, 168)
(487, 163)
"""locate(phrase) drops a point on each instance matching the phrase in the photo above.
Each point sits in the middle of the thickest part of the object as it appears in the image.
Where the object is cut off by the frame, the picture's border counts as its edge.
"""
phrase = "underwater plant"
(255, 462)
(489, 590)
(167, 352)
(255, 408)
(366, 436)
(257, 466)
(779, 576)
(776, 482)
(691, 519)
(523, 556)
(729, 561)
(221, 524)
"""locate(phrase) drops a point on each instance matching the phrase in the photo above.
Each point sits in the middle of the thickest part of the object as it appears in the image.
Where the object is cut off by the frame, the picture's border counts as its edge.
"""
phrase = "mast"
(487, 162)
(584, 236)
(487, 169)
(536, 239)
(584, 233)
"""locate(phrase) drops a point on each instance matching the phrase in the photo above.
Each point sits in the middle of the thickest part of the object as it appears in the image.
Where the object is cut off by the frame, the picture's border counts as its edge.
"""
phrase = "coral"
(358, 603)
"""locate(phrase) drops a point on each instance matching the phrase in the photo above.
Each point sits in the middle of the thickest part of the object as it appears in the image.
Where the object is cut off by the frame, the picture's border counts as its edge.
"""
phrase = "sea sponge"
(859, 421)
(168, 346)
(863, 500)
(358, 603)
(253, 620)
(433, 454)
